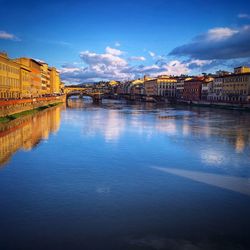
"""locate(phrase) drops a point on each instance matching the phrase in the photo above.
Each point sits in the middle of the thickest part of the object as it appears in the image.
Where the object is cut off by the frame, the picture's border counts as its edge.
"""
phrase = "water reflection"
(201, 129)
(110, 123)
(93, 186)
(114, 119)
(26, 132)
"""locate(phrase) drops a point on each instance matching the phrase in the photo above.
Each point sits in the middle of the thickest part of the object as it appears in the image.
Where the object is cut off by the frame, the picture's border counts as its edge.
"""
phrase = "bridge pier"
(97, 100)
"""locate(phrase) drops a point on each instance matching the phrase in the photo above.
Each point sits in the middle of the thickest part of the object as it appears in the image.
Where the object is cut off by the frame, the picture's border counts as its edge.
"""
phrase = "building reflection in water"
(113, 120)
(103, 120)
(26, 132)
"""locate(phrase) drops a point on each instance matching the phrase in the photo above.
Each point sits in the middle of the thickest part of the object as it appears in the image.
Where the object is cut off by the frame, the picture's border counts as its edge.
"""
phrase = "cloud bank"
(112, 64)
(217, 43)
(218, 48)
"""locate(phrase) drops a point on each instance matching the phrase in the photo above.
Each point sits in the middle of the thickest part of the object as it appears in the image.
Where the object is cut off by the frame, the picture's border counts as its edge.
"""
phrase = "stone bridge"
(91, 92)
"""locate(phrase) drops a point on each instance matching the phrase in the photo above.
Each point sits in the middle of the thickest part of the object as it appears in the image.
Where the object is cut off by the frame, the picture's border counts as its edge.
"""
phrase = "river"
(125, 176)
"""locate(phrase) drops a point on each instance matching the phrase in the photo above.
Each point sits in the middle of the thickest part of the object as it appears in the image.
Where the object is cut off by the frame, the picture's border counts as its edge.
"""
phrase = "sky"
(92, 40)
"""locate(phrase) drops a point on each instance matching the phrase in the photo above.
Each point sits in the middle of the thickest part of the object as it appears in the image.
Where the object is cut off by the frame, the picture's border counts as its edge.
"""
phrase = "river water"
(125, 176)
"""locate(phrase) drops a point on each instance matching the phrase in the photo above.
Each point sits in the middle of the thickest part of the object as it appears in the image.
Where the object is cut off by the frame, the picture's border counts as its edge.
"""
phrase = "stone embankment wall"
(10, 107)
(240, 106)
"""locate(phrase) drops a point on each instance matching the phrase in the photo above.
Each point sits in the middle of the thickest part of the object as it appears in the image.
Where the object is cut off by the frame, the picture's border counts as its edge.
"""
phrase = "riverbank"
(12, 109)
(9, 118)
(27, 130)
(162, 100)
(229, 106)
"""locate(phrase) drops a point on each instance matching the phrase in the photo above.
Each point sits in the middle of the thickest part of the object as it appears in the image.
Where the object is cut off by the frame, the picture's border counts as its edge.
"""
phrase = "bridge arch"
(96, 96)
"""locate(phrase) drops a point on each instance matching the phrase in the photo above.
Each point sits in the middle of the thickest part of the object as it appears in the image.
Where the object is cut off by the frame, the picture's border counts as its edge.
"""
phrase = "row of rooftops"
(17, 60)
(238, 71)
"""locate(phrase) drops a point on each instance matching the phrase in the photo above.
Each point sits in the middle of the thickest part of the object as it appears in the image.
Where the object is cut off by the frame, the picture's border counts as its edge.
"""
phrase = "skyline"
(109, 40)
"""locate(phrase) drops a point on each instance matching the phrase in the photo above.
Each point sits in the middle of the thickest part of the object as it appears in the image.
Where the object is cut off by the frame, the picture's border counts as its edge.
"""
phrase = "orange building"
(35, 75)
(192, 89)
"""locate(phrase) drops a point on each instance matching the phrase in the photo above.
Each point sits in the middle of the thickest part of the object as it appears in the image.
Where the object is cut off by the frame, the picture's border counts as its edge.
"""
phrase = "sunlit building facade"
(161, 86)
(241, 70)
(26, 78)
(54, 81)
(10, 86)
(236, 88)
(45, 79)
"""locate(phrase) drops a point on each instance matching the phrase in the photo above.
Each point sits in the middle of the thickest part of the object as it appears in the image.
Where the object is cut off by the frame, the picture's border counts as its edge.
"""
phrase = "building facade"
(54, 81)
(192, 90)
(166, 86)
(45, 79)
(35, 75)
(10, 86)
(235, 88)
(151, 87)
(26, 78)
(206, 88)
(215, 93)
(241, 70)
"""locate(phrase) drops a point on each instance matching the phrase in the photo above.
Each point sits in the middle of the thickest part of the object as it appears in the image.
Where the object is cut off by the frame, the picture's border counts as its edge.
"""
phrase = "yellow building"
(236, 88)
(166, 86)
(161, 86)
(25, 78)
(151, 87)
(137, 87)
(62, 86)
(113, 83)
(54, 81)
(35, 75)
(45, 78)
(9, 77)
(49, 81)
(241, 70)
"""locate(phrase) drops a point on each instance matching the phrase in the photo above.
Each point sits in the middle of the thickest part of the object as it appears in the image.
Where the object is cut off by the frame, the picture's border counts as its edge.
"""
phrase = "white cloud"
(106, 59)
(7, 36)
(174, 67)
(108, 66)
(155, 56)
(244, 16)
(112, 51)
(200, 63)
(152, 54)
(220, 33)
(104, 66)
(137, 58)
(113, 65)
(69, 70)
(117, 44)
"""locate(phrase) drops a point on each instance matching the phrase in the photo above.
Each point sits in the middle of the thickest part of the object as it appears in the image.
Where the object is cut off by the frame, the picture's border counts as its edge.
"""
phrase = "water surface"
(125, 176)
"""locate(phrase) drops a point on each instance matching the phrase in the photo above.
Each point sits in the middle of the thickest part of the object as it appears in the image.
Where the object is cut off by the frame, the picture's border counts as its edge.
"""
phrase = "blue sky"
(93, 40)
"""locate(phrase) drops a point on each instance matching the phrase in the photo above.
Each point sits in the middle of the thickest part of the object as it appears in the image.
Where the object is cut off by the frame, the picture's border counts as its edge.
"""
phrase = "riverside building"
(27, 78)
(232, 88)
(10, 85)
